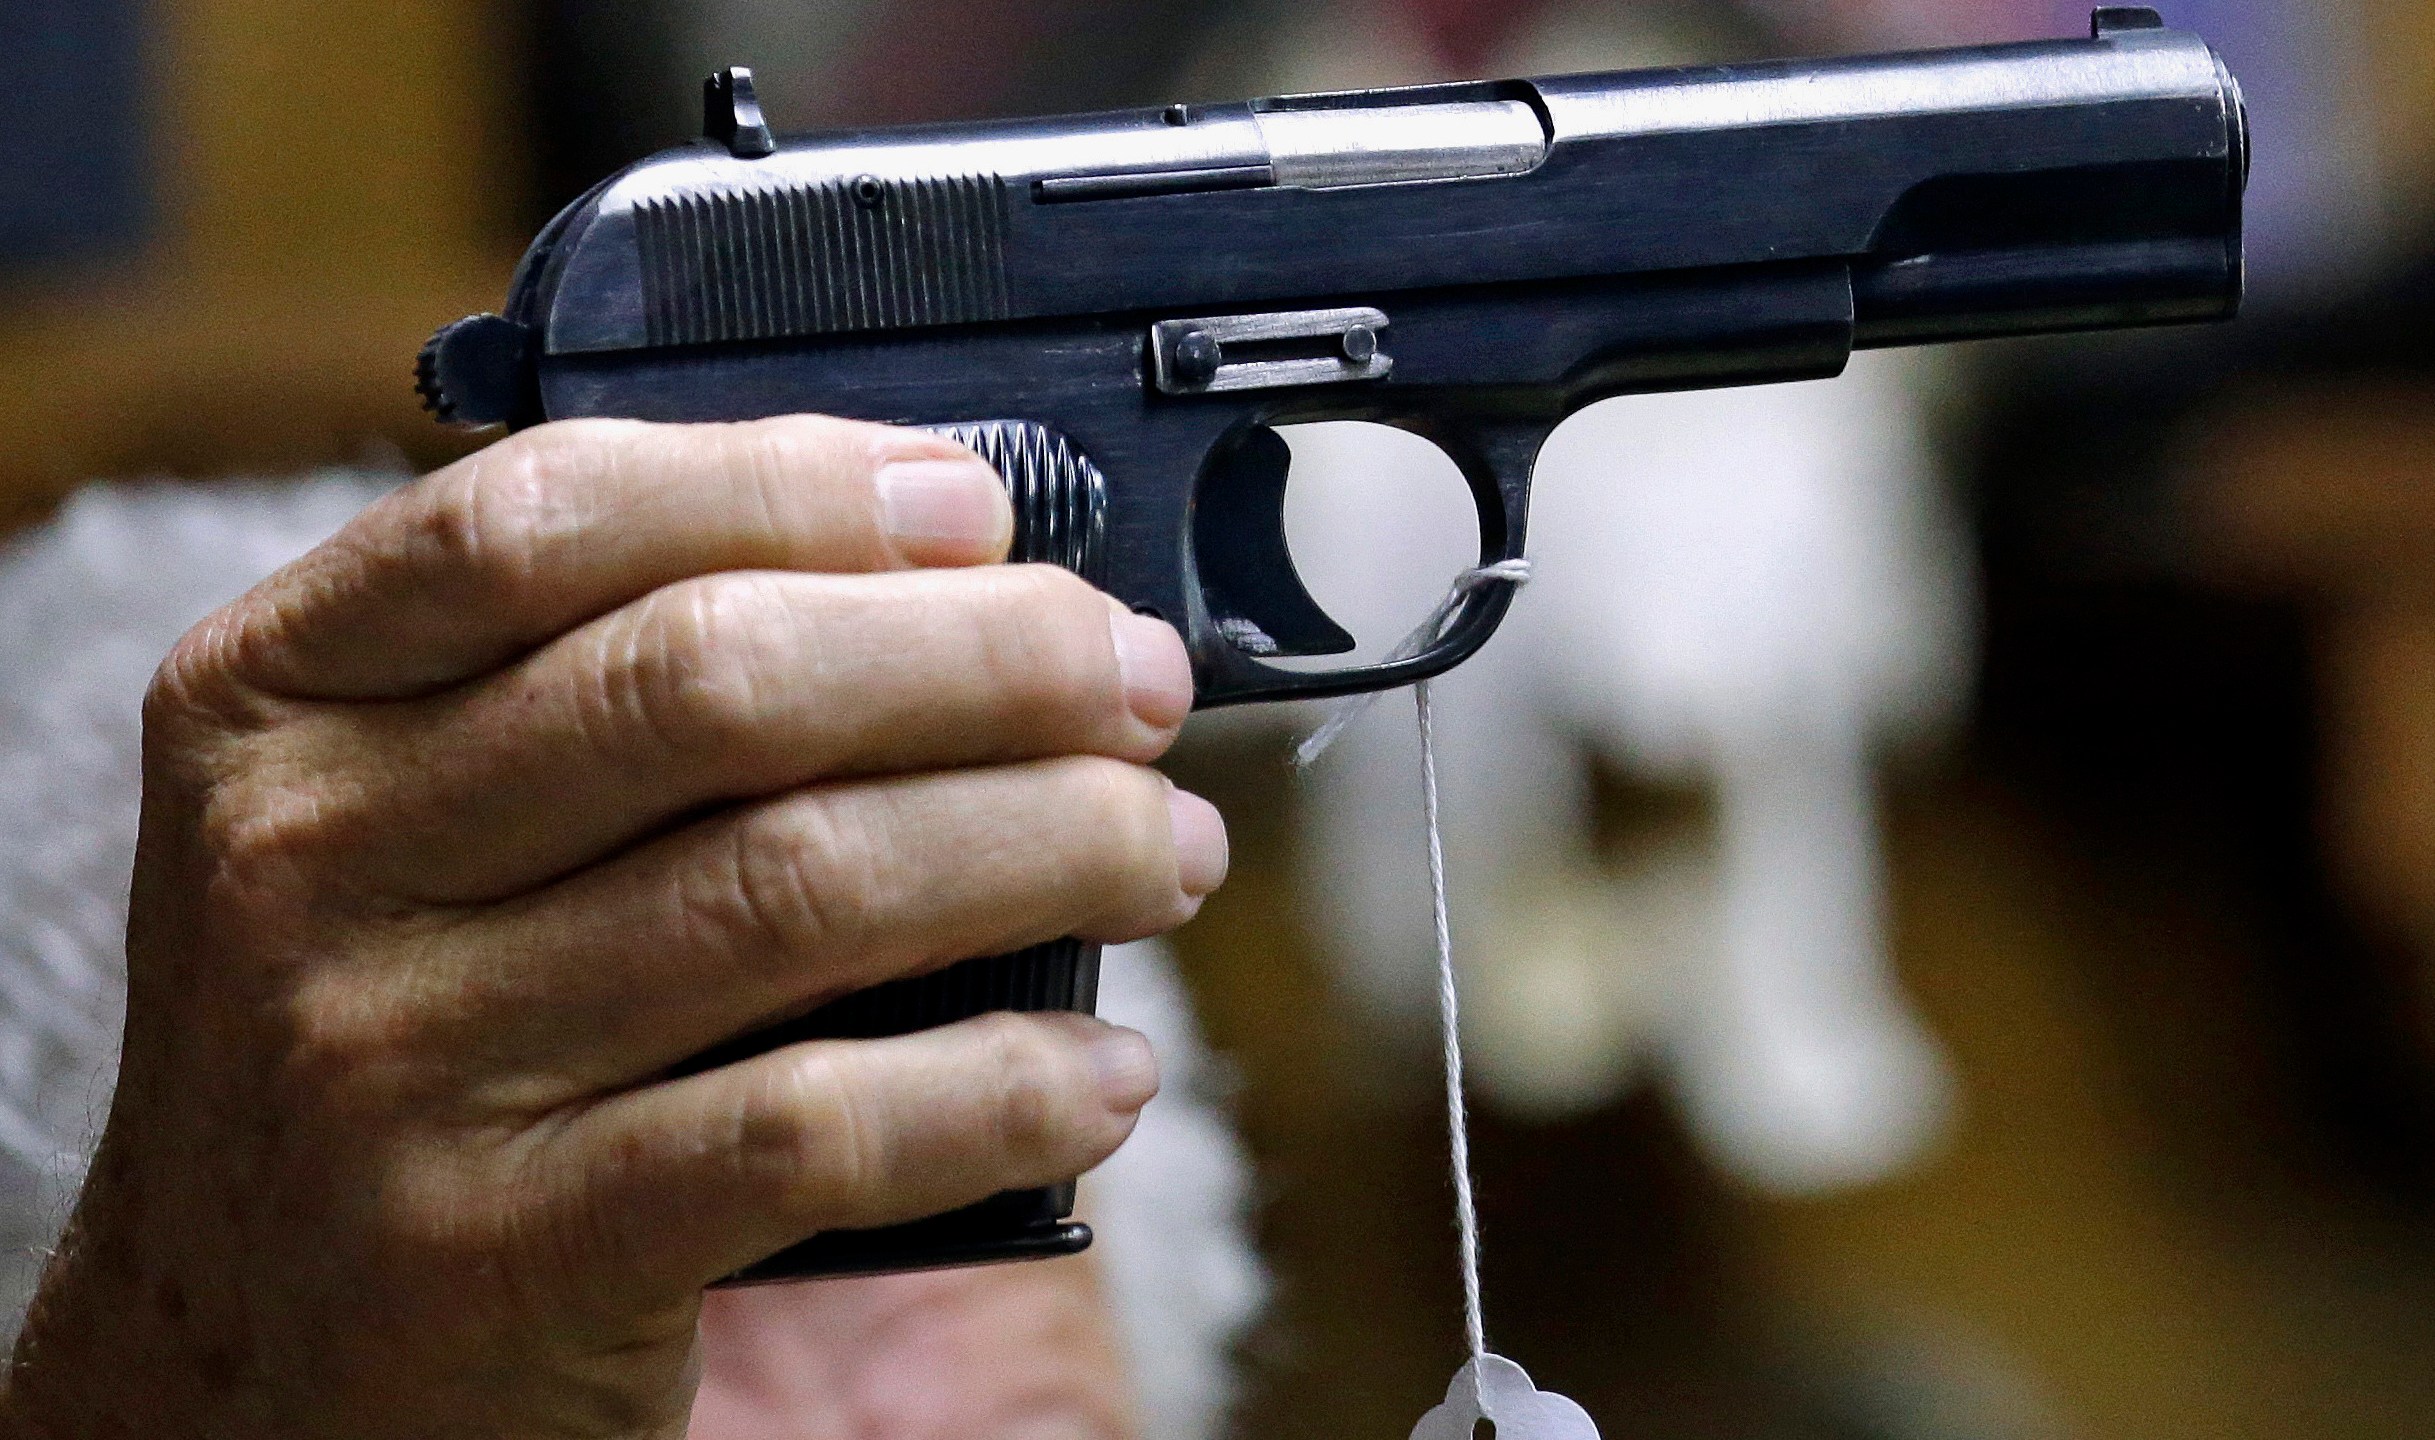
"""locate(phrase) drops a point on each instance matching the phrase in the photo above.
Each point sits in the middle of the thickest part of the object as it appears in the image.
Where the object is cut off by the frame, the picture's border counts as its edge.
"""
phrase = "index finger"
(473, 565)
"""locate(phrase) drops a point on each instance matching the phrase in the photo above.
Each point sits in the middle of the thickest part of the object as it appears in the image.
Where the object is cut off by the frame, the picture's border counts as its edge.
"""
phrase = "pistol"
(1116, 310)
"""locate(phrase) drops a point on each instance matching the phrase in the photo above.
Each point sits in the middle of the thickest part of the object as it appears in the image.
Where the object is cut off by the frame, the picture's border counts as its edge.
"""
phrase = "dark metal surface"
(1706, 226)
(731, 115)
(1214, 353)
(1642, 171)
(1153, 291)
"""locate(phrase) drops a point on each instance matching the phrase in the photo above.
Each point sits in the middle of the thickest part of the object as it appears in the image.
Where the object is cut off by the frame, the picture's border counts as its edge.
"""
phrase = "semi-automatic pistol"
(1117, 310)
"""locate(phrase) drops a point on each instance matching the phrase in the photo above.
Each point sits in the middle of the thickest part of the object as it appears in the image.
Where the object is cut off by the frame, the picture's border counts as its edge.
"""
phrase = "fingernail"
(1125, 1066)
(944, 509)
(1157, 673)
(1200, 842)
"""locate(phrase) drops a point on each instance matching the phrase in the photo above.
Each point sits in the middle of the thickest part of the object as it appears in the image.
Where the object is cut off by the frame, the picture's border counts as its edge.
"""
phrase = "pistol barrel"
(2063, 185)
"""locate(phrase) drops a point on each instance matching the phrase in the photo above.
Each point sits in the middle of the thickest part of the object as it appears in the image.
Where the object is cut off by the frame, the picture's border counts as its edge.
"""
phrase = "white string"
(1427, 633)
(1458, 1124)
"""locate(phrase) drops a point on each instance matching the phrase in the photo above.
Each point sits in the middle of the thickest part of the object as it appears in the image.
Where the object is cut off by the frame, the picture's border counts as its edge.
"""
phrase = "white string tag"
(1494, 1389)
(1488, 1387)
(1427, 633)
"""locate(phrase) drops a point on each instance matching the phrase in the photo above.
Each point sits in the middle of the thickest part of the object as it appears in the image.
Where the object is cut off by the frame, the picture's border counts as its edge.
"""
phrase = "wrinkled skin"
(551, 770)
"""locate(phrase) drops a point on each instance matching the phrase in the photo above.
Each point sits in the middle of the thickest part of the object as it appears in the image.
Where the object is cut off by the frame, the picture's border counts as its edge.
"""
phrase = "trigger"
(1248, 580)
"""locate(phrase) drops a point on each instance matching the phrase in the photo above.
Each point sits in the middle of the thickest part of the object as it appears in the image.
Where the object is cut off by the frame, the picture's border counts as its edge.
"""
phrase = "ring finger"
(626, 969)
(727, 688)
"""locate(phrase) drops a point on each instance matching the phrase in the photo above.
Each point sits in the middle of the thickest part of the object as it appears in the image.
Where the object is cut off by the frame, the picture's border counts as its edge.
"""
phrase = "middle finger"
(739, 920)
(732, 687)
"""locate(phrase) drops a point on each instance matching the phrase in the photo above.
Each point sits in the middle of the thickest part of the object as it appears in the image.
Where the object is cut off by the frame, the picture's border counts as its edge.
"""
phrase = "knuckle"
(199, 686)
(789, 461)
(252, 827)
(193, 679)
(804, 879)
(491, 522)
(1126, 827)
(570, 1210)
(441, 1216)
(426, 1209)
(690, 670)
(793, 449)
(1034, 1085)
(354, 1048)
(1044, 645)
(260, 844)
(805, 1132)
(1051, 590)
(266, 844)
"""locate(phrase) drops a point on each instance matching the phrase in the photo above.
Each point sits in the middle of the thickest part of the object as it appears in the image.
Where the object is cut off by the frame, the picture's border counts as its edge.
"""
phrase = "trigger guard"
(1495, 455)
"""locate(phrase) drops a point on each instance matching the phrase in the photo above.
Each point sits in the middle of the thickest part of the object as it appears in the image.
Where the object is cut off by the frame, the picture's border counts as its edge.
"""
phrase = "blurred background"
(2026, 1029)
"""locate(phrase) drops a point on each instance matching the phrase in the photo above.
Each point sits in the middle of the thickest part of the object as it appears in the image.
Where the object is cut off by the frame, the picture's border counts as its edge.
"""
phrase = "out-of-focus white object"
(1172, 1212)
(1750, 591)
(1755, 593)
(89, 603)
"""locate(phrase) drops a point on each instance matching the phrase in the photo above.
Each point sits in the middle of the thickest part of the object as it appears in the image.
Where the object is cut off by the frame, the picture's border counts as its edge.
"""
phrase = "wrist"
(109, 1350)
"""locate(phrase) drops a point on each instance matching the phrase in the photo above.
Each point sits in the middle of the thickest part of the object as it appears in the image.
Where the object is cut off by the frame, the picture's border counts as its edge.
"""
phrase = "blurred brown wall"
(334, 179)
(2401, 34)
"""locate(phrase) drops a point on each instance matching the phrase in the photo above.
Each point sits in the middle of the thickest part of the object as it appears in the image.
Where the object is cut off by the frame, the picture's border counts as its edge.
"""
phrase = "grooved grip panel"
(1060, 503)
(1060, 975)
(1059, 496)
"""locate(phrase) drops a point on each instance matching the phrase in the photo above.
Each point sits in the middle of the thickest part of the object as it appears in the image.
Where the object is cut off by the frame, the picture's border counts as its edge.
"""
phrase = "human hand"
(553, 769)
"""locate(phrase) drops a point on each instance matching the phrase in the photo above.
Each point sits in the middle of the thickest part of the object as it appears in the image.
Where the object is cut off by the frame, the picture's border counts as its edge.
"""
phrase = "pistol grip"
(1013, 1225)
(1060, 503)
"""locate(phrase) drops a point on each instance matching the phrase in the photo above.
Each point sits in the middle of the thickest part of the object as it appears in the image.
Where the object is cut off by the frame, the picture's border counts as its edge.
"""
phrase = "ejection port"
(1319, 148)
